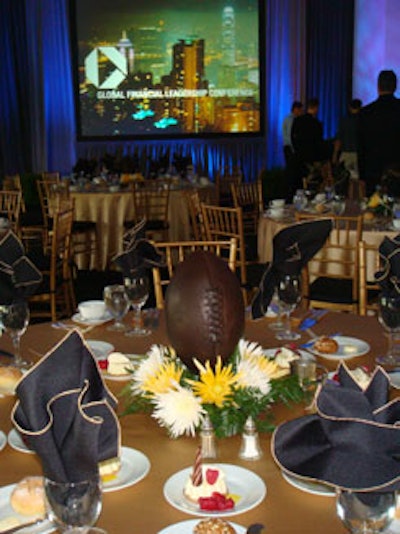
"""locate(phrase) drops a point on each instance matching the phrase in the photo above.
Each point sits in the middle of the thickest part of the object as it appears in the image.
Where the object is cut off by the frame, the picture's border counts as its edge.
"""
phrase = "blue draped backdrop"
(308, 51)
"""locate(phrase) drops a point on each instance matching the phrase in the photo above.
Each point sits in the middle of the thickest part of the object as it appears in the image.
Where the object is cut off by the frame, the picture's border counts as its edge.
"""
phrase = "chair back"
(151, 203)
(51, 176)
(331, 278)
(224, 223)
(249, 197)
(195, 214)
(369, 289)
(12, 182)
(223, 181)
(175, 252)
(10, 207)
(56, 298)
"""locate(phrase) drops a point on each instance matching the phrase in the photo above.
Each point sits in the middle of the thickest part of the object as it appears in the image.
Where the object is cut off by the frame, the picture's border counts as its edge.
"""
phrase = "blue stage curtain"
(36, 94)
(329, 30)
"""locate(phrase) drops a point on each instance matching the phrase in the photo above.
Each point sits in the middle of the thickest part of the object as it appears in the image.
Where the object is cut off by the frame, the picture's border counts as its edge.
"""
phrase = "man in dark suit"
(308, 144)
(379, 134)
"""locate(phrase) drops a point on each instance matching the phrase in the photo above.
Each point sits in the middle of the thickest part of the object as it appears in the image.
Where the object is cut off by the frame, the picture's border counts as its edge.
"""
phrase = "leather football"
(204, 309)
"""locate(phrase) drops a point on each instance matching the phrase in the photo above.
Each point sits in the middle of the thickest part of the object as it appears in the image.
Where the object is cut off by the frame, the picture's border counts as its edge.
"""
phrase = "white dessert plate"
(249, 490)
(134, 467)
(349, 347)
(270, 353)
(3, 440)
(100, 349)
(183, 527)
(6, 511)
(316, 488)
(77, 318)
(16, 442)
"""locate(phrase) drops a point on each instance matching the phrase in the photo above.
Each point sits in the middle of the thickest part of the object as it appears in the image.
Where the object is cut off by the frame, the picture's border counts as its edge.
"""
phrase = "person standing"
(345, 148)
(295, 111)
(308, 143)
(379, 133)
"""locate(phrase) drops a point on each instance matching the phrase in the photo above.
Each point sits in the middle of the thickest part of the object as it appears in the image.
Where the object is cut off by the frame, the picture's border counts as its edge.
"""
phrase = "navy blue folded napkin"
(139, 253)
(352, 442)
(293, 248)
(66, 413)
(19, 277)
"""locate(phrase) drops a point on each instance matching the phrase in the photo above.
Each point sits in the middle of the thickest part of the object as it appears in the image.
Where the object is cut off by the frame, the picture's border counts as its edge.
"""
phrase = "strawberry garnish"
(217, 502)
(211, 476)
(103, 364)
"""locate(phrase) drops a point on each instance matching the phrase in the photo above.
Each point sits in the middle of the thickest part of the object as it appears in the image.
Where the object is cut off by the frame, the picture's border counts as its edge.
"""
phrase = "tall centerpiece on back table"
(208, 370)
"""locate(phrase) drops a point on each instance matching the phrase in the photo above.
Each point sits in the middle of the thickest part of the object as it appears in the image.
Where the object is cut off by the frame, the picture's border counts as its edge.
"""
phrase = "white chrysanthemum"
(179, 410)
(148, 367)
(248, 349)
(252, 375)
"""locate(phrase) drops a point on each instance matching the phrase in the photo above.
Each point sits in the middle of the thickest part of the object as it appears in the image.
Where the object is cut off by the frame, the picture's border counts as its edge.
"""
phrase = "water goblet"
(389, 317)
(74, 506)
(15, 320)
(289, 291)
(137, 289)
(117, 303)
(365, 513)
(276, 307)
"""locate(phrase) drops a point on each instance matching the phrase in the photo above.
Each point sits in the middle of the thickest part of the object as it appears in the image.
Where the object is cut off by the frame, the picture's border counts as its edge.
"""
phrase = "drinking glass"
(74, 506)
(117, 303)
(275, 306)
(15, 320)
(289, 291)
(389, 317)
(365, 513)
(137, 289)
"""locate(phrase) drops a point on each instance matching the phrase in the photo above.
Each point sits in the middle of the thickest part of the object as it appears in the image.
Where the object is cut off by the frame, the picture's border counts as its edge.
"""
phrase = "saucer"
(77, 318)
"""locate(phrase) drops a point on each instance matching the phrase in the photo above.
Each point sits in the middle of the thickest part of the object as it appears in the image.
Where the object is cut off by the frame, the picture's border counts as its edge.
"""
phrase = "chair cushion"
(83, 226)
(336, 290)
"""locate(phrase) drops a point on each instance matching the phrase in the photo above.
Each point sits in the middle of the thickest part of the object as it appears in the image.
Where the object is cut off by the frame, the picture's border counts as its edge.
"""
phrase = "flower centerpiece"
(246, 385)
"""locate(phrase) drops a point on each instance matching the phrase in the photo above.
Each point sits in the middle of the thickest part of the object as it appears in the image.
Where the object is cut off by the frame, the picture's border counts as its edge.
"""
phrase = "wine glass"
(289, 291)
(74, 506)
(389, 317)
(137, 289)
(117, 303)
(15, 320)
(365, 513)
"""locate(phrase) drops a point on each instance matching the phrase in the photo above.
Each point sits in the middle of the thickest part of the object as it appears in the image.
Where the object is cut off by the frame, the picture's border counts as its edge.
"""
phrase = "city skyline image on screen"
(151, 69)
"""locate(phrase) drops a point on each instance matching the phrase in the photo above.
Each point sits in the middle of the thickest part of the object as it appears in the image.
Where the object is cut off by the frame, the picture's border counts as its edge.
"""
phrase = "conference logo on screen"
(111, 55)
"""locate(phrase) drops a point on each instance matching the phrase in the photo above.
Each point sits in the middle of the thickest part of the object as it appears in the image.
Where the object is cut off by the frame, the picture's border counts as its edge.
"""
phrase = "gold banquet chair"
(10, 208)
(331, 278)
(193, 201)
(249, 197)
(55, 297)
(176, 251)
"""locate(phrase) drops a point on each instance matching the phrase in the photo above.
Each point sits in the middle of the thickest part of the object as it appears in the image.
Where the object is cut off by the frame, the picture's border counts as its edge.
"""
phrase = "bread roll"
(9, 378)
(213, 526)
(326, 345)
(27, 498)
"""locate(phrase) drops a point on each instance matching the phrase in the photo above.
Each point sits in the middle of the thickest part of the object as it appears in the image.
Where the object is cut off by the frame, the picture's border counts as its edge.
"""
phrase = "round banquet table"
(142, 507)
(110, 209)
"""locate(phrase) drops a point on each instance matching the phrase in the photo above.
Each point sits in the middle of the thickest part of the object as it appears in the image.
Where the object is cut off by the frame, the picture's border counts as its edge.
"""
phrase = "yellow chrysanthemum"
(214, 386)
(270, 368)
(168, 375)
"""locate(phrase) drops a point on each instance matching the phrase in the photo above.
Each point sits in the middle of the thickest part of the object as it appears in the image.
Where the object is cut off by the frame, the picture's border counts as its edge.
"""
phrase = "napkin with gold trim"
(293, 247)
(19, 277)
(139, 253)
(352, 442)
(66, 413)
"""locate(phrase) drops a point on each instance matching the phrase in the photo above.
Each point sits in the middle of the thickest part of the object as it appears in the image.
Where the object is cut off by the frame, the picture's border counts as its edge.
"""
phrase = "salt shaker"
(208, 445)
(250, 448)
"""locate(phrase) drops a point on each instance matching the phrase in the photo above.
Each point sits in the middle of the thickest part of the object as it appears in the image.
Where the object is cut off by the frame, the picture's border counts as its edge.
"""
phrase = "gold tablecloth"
(142, 508)
(268, 228)
(110, 210)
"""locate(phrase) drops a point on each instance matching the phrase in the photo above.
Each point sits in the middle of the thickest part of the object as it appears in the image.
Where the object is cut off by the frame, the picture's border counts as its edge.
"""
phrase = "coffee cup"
(92, 309)
(277, 203)
(396, 224)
